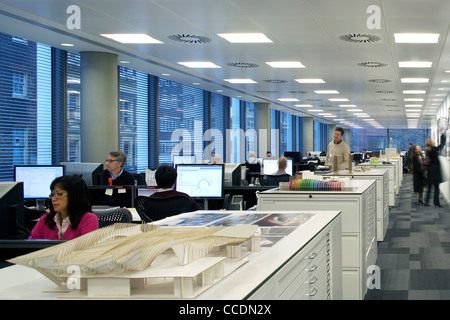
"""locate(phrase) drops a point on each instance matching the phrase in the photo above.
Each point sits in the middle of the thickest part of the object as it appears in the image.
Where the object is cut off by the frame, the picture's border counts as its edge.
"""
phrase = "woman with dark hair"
(70, 211)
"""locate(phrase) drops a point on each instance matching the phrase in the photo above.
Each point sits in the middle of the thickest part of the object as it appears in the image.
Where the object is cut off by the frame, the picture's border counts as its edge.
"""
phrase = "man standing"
(338, 148)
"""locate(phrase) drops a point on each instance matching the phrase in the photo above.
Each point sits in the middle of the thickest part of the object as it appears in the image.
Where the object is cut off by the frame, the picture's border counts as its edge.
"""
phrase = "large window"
(25, 104)
(73, 114)
(286, 132)
(235, 132)
(320, 136)
(180, 119)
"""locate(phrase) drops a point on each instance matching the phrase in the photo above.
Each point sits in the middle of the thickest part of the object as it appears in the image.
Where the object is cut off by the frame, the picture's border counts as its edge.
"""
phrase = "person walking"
(419, 173)
(434, 174)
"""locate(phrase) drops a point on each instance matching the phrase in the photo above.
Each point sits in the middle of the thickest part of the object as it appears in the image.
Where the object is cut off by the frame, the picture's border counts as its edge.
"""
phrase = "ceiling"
(349, 44)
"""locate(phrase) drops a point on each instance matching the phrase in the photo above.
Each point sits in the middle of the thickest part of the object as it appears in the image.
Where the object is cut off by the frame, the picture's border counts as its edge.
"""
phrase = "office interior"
(186, 90)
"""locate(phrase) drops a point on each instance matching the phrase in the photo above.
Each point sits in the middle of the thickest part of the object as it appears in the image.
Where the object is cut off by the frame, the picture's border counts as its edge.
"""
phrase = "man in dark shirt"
(166, 177)
(114, 175)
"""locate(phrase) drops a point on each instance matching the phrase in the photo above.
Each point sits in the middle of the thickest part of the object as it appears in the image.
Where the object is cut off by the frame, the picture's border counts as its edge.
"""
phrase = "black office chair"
(153, 209)
(274, 180)
(107, 217)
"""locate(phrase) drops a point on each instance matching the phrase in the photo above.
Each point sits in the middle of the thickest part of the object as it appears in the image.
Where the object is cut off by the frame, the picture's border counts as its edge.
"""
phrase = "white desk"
(358, 206)
(301, 265)
(381, 176)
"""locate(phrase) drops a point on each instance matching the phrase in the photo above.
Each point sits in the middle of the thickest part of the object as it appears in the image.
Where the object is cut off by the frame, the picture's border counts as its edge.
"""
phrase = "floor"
(414, 258)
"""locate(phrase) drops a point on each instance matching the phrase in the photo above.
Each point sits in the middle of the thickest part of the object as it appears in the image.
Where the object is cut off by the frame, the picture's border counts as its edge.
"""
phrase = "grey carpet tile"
(414, 257)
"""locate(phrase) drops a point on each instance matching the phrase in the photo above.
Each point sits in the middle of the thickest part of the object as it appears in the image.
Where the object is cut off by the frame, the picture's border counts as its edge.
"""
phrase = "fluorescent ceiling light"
(413, 105)
(414, 91)
(354, 110)
(338, 99)
(240, 80)
(131, 38)
(326, 91)
(245, 37)
(310, 80)
(67, 44)
(414, 64)
(286, 64)
(303, 105)
(315, 110)
(199, 64)
(415, 80)
(413, 99)
(287, 99)
(416, 37)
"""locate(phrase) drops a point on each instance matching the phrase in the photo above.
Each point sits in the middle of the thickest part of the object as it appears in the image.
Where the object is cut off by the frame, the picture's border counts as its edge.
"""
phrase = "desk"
(358, 207)
(277, 271)
(381, 176)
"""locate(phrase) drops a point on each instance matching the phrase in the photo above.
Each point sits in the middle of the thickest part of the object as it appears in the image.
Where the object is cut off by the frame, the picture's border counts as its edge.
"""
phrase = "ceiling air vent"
(372, 64)
(298, 92)
(189, 38)
(380, 80)
(359, 38)
(388, 99)
(385, 91)
(276, 81)
(244, 65)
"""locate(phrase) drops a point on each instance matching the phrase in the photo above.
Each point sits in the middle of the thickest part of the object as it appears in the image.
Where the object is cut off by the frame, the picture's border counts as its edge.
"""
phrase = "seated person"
(216, 159)
(69, 213)
(282, 165)
(114, 175)
(252, 158)
(165, 177)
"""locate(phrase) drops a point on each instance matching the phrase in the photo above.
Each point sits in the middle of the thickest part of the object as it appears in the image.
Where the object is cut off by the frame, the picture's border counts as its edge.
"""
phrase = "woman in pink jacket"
(70, 211)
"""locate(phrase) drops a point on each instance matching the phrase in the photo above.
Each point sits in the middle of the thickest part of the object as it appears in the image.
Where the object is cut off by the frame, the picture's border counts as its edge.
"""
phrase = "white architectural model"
(114, 260)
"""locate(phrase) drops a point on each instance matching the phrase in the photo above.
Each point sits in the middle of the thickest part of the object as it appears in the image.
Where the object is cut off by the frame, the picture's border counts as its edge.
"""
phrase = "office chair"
(272, 180)
(153, 209)
(107, 217)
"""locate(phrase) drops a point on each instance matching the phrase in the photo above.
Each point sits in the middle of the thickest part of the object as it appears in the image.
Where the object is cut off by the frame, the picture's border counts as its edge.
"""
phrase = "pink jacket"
(88, 223)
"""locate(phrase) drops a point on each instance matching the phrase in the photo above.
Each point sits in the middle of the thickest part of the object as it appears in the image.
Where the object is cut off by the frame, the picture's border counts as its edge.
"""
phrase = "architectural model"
(123, 256)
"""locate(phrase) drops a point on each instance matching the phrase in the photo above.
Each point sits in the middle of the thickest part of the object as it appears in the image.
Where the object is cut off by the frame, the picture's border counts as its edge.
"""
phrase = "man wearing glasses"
(114, 175)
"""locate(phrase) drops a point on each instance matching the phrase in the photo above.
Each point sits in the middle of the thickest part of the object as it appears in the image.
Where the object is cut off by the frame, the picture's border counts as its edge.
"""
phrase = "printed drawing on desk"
(285, 219)
(235, 219)
(196, 219)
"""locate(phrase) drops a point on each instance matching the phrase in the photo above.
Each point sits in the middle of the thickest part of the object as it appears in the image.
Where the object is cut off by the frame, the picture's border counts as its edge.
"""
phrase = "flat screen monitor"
(294, 155)
(183, 159)
(202, 181)
(91, 173)
(314, 154)
(11, 209)
(37, 179)
(270, 166)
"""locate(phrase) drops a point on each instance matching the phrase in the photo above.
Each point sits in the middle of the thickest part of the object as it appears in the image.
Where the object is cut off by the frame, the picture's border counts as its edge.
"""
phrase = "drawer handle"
(313, 292)
(313, 280)
(312, 255)
(313, 268)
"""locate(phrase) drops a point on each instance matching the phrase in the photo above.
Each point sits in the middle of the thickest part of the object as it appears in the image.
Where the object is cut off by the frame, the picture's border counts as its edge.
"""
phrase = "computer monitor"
(314, 154)
(232, 174)
(11, 209)
(357, 157)
(91, 173)
(202, 181)
(37, 179)
(294, 155)
(189, 159)
(270, 166)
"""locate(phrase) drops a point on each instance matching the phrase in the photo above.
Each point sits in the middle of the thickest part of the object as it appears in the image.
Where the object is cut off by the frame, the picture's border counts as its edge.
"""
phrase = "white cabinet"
(381, 176)
(393, 180)
(358, 207)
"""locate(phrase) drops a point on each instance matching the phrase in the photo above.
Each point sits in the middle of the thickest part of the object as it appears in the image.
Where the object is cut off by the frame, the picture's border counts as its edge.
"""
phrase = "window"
(19, 84)
(73, 120)
(180, 119)
(286, 133)
(251, 136)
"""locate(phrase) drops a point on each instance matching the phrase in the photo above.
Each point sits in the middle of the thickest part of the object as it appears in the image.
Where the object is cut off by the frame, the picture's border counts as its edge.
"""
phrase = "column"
(262, 127)
(307, 135)
(99, 105)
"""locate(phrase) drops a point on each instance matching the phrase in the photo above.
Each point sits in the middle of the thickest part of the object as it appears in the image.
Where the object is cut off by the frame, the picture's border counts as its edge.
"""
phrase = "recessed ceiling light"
(199, 64)
(303, 105)
(354, 110)
(415, 80)
(287, 99)
(415, 64)
(130, 37)
(414, 91)
(67, 44)
(124, 61)
(165, 74)
(240, 80)
(245, 37)
(310, 80)
(315, 110)
(413, 105)
(286, 64)
(413, 99)
(326, 91)
(416, 37)
(338, 99)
